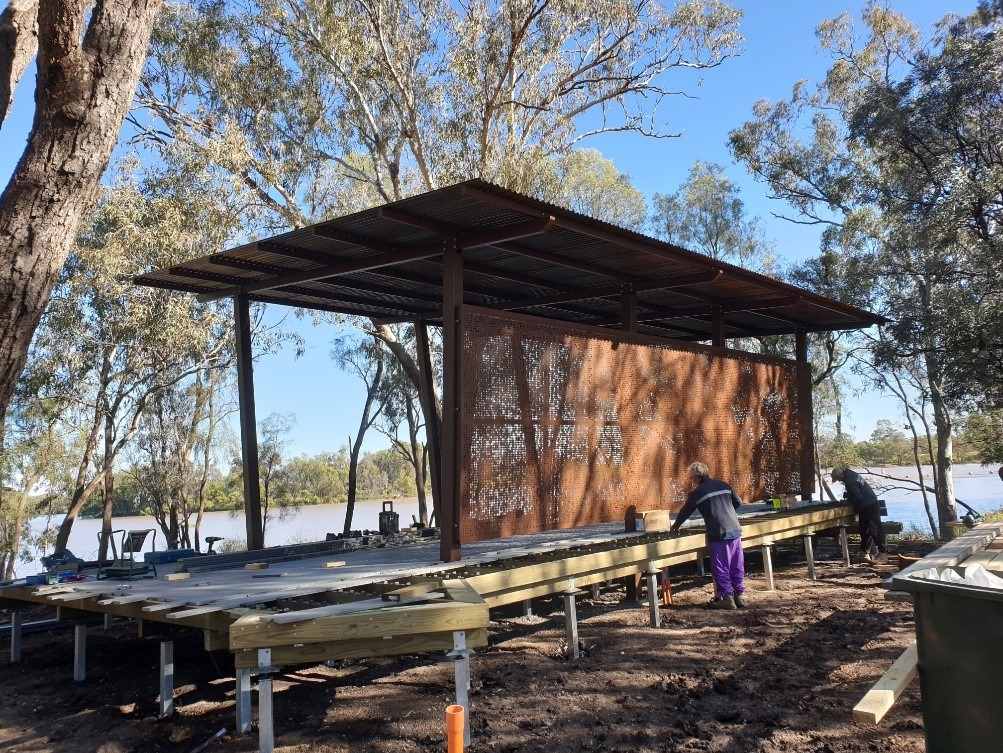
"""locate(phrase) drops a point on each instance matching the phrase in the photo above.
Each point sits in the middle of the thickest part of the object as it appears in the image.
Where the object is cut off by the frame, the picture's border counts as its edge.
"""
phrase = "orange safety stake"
(454, 729)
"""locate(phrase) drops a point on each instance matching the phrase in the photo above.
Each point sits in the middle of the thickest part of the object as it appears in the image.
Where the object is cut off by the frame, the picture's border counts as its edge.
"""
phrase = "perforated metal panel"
(566, 426)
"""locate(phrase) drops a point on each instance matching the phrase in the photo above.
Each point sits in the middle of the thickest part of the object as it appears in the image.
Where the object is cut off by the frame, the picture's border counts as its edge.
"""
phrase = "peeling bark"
(89, 60)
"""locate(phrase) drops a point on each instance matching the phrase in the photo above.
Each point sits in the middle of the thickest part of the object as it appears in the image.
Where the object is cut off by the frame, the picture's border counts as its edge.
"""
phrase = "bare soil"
(781, 675)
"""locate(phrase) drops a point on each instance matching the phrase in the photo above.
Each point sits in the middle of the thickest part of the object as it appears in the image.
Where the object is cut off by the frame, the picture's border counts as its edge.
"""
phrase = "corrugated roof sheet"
(519, 254)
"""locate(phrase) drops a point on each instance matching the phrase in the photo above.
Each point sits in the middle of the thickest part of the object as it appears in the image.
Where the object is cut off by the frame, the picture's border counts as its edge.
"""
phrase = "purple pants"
(727, 562)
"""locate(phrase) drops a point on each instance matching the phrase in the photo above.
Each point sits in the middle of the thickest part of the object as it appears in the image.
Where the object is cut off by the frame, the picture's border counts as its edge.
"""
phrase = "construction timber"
(393, 600)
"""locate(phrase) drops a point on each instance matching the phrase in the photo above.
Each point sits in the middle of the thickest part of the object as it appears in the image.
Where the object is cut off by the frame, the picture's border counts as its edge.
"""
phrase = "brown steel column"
(806, 424)
(628, 309)
(433, 430)
(717, 328)
(452, 300)
(248, 422)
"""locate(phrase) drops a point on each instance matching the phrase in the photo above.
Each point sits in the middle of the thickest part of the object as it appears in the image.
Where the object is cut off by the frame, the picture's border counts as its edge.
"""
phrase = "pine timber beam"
(396, 645)
(261, 631)
(879, 700)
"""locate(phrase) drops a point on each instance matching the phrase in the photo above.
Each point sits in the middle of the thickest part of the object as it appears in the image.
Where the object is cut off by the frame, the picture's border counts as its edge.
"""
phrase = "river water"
(979, 487)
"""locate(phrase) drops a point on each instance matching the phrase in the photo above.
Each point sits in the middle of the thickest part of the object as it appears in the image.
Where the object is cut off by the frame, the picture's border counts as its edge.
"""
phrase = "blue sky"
(780, 48)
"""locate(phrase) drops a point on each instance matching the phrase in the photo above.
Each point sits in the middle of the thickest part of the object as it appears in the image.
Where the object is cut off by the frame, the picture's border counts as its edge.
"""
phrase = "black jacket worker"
(864, 502)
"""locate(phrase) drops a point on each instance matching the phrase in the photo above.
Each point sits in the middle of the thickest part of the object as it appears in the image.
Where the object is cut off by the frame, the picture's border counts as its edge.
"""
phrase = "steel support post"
(767, 550)
(266, 719)
(166, 678)
(717, 327)
(461, 673)
(79, 652)
(16, 619)
(805, 422)
(809, 555)
(571, 619)
(248, 422)
(844, 545)
(452, 353)
(527, 607)
(651, 576)
(243, 698)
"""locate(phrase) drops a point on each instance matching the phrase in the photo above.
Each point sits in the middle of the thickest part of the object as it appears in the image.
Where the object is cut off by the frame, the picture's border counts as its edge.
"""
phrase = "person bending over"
(864, 502)
(718, 503)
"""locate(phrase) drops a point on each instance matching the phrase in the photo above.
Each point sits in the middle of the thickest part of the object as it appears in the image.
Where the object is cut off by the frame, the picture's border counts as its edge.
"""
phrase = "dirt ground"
(780, 675)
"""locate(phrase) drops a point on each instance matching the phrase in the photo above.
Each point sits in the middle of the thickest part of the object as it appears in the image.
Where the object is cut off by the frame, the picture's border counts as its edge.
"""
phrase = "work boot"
(862, 558)
(725, 602)
(740, 600)
(881, 559)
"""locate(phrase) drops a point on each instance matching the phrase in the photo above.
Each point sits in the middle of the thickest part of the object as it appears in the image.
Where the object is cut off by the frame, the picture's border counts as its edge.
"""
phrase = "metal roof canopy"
(519, 254)
(477, 244)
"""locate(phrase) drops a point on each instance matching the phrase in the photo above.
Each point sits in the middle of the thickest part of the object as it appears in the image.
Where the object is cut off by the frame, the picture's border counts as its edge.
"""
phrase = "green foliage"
(837, 450)
(706, 214)
(887, 446)
(983, 434)
(386, 99)
(896, 154)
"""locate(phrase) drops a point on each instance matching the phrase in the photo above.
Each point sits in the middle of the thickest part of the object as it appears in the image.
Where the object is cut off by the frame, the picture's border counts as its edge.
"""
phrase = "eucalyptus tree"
(274, 432)
(88, 58)
(106, 347)
(403, 96)
(366, 358)
(707, 214)
(401, 421)
(898, 154)
(33, 464)
(173, 453)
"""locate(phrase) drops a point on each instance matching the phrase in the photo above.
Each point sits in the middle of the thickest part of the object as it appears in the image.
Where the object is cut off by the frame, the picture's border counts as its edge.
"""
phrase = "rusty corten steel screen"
(564, 425)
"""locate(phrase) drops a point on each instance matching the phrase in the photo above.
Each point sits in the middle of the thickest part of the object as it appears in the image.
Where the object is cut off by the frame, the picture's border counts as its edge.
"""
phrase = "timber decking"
(307, 611)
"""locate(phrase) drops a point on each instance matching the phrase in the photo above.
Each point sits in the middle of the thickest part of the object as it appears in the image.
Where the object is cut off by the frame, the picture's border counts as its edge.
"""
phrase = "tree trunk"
(89, 61)
(19, 42)
(353, 462)
(943, 468)
(109, 485)
(946, 508)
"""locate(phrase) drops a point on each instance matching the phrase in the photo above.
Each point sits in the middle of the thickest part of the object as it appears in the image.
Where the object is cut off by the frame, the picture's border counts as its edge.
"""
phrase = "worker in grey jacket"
(718, 504)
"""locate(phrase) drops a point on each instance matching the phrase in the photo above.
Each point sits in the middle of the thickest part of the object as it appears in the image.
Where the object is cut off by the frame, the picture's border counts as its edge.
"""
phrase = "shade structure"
(475, 246)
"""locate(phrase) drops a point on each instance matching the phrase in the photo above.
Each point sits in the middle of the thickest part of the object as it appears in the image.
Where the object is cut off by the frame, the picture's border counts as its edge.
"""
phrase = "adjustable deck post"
(166, 678)
(243, 693)
(595, 592)
(571, 619)
(15, 636)
(767, 550)
(461, 673)
(810, 556)
(79, 652)
(844, 544)
(527, 607)
(266, 726)
(651, 575)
